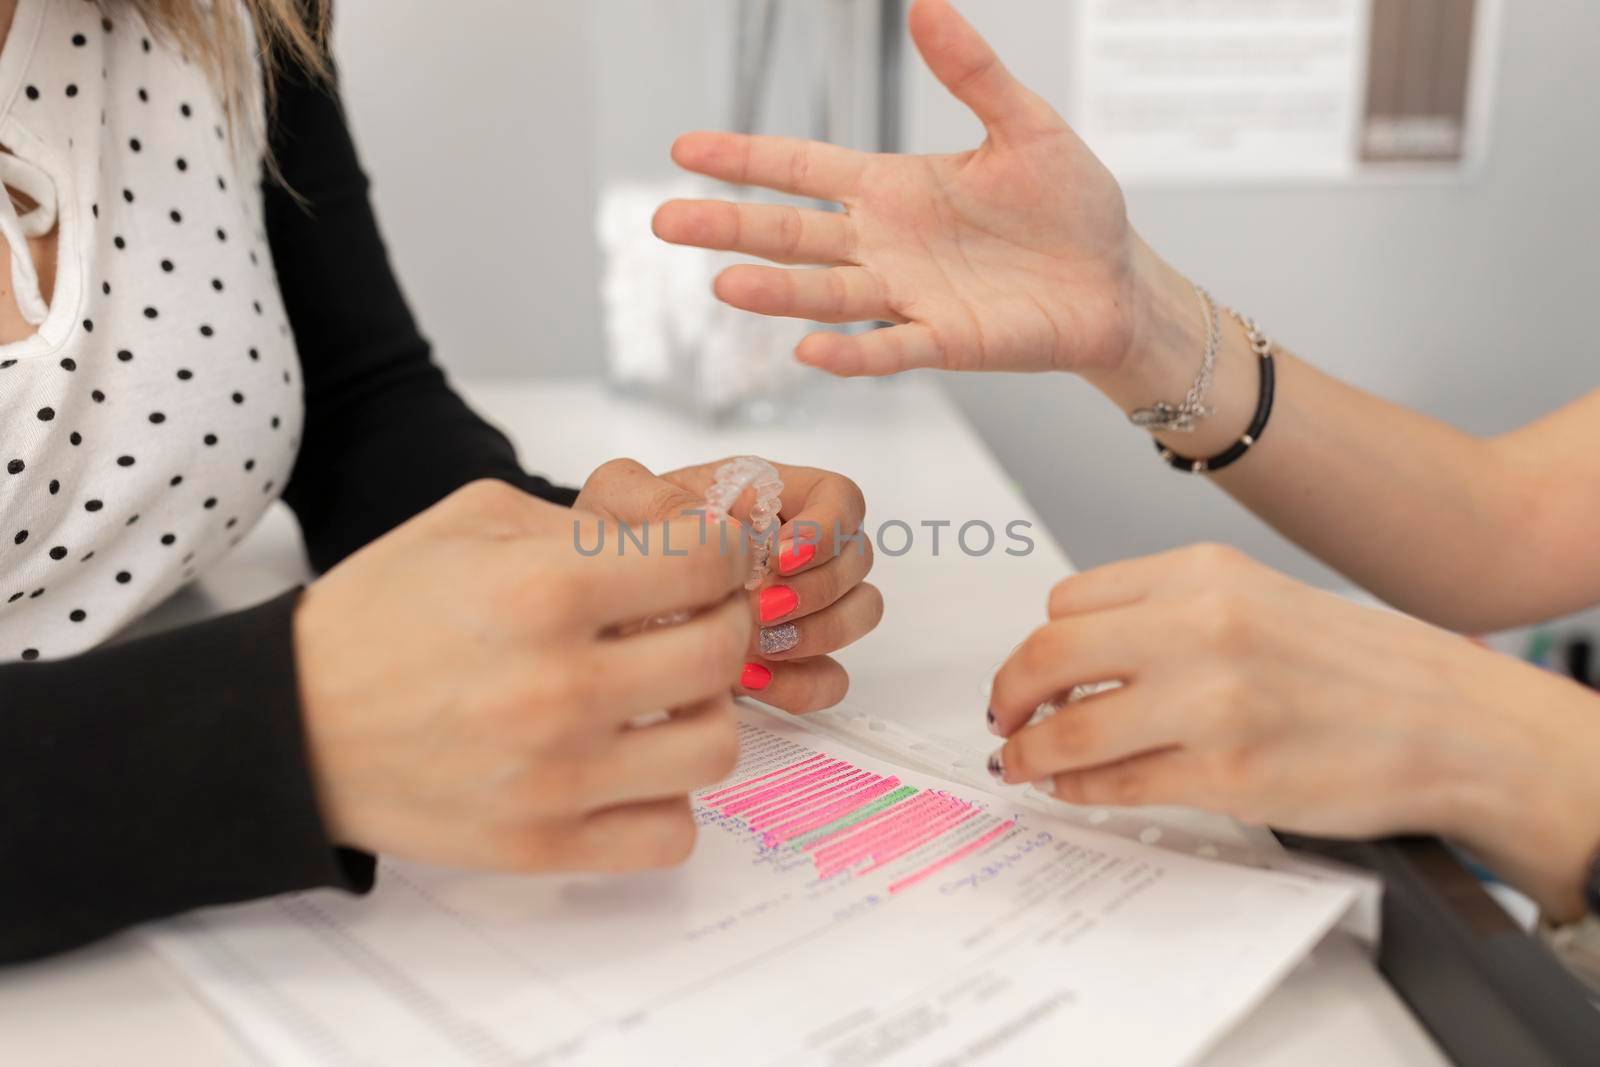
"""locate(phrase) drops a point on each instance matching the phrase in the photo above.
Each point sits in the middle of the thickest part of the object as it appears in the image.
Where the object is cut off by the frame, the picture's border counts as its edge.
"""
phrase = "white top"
(155, 415)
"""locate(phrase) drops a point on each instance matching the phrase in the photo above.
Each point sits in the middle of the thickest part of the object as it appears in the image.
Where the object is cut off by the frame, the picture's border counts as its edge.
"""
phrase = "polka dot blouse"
(155, 414)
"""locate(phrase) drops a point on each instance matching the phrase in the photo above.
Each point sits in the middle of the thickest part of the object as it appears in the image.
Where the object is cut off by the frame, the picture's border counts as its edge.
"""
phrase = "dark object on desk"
(1579, 657)
(1489, 993)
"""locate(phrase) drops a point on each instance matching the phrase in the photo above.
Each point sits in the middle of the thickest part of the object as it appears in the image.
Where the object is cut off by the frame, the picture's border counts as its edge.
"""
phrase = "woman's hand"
(1016, 257)
(1249, 694)
(466, 703)
(814, 602)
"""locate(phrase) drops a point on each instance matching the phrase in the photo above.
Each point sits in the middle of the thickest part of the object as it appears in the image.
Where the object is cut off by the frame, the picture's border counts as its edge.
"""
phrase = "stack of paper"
(838, 910)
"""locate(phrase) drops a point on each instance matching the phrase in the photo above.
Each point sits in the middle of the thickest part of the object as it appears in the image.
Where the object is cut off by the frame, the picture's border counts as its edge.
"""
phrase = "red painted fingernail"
(777, 601)
(755, 677)
(794, 557)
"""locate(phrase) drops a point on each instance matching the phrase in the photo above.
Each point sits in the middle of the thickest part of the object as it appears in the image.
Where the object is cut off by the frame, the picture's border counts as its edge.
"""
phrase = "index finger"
(821, 512)
(1077, 650)
(786, 164)
(625, 573)
(824, 513)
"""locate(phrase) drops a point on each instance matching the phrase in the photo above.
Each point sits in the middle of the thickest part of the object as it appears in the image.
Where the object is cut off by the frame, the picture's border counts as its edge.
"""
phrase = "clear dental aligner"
(731, 480)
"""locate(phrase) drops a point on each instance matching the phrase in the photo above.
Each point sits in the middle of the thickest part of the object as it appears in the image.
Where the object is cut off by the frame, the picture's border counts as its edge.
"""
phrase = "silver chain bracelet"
(1162, 417)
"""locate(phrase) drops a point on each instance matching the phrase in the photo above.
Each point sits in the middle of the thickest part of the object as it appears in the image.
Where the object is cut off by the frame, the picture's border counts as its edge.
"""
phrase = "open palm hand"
(1016, 256)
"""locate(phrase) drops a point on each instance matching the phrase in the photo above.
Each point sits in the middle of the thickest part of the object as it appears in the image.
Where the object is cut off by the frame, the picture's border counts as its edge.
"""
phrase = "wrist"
(1167, 349)
(1570, 808)
(310, 632)
(1166, 339)
(1538, 820)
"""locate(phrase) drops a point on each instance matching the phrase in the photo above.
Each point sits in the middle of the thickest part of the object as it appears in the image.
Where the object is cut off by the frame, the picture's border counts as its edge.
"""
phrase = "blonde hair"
(220, 36)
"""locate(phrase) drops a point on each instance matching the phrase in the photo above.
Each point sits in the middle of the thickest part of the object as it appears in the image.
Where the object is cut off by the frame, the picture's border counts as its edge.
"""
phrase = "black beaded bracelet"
(1261, 345)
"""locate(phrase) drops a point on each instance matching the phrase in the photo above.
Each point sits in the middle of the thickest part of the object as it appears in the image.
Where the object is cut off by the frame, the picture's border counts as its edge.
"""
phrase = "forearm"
(152, 777)
(1351, 477)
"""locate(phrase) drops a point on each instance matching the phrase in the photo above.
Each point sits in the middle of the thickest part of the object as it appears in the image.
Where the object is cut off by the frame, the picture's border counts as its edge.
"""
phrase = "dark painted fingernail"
(994, 724)
(997, 767)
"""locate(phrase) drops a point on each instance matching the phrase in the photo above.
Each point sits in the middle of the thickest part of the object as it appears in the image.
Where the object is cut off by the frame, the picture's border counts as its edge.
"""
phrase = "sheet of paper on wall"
(838, 910)
(1284, 90)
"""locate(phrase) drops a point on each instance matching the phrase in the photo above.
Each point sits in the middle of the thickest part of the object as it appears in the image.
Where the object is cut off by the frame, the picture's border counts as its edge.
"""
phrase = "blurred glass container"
(801, 68)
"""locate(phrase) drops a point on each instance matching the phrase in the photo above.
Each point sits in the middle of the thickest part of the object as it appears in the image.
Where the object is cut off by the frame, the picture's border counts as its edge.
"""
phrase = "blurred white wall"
(1474, 302)
(475, 121)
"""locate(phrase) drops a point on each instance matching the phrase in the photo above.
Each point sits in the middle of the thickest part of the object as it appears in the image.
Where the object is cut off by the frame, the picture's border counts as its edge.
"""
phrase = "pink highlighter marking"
(784, 788)
(913, 879)
(741, 786)
(878, 818)
(824, 815)
(914, 813)
(783, 808)
(830, 790)
(887, 846)
(911, 842)
(748, 790)
(821, 815)
(803, 797)
(937, 816)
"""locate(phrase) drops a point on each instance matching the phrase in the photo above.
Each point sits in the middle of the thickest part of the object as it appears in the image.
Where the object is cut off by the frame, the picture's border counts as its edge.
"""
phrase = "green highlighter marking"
(888, 800)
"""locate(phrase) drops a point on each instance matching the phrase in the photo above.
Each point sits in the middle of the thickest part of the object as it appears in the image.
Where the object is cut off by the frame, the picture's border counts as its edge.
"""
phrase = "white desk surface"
(951, 619)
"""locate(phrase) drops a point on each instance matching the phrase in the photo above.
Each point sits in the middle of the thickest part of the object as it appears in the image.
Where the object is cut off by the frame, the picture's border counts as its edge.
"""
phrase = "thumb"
(965, 64)
(627, 491)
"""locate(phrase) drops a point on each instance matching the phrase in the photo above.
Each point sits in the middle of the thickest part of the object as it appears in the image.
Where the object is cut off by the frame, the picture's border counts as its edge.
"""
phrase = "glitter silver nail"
(777, 639)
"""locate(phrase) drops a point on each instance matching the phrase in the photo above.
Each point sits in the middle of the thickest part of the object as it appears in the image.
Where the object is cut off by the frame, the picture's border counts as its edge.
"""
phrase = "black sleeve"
(155, 776)
(385, 436)
(148, 778)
